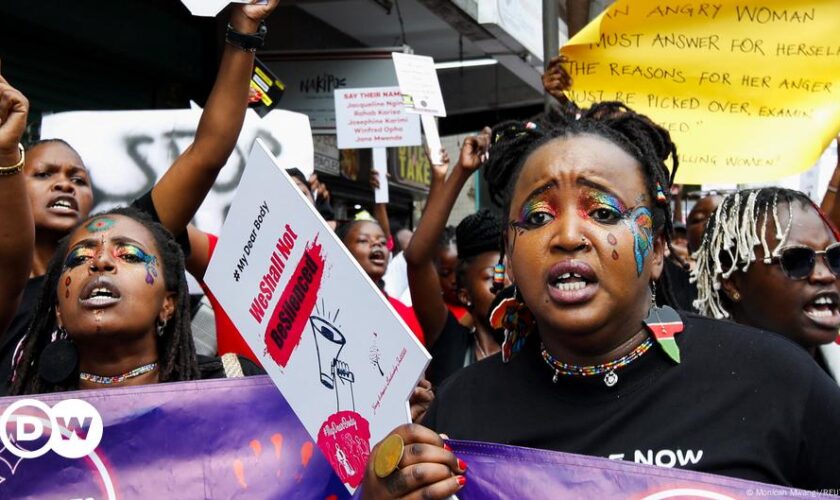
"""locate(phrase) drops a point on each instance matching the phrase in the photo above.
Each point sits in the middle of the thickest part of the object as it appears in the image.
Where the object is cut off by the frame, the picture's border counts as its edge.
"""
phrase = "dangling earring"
(161, 327)
(663, 323)
(513, 315)
(59, 359)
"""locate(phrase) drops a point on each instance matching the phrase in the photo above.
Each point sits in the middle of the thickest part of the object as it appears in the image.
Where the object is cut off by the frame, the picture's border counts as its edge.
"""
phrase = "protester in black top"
(113, 311)
(757, 264)
(458, 346)
(588, 205)
(477, 239)
(736, 387)
(59, 186)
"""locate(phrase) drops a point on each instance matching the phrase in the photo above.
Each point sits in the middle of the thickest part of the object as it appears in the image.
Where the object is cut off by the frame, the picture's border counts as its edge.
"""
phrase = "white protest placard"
(432, 138)
(210, 8)
(380, 164)
(374, 118)
(126, 152)
(419, 84)
(326, 335)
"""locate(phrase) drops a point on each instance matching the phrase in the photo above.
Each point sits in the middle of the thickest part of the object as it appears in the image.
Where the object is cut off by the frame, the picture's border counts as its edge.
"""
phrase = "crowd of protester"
(550, 318)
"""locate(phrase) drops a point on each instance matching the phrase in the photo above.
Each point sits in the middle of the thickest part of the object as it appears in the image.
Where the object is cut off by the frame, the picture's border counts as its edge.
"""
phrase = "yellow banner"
(750, 89)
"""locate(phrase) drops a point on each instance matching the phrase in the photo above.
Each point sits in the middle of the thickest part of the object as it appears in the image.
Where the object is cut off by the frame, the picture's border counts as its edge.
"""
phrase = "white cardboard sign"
(419, 84)
(326, 335)
(126, 152)
(210, 8)
(374, 118)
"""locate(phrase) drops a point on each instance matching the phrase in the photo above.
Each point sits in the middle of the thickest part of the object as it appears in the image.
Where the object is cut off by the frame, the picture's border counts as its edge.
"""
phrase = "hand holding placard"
(296, 305)
(432, 138)
(211, 8)
(380, 185)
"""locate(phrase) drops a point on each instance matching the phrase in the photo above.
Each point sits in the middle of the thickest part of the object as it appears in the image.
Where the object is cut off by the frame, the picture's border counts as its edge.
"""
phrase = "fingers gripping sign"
(426, 467)
(211, 8)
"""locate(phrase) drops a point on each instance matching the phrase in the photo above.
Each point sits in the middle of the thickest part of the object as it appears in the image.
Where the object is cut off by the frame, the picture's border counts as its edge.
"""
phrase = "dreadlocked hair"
(176, 351)
(738, 225)
(512, 142)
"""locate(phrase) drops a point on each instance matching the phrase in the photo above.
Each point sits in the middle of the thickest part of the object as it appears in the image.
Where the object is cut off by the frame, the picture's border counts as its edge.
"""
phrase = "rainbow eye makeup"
(78, 256)
(535, 213)
(131, 253)
(593, 200)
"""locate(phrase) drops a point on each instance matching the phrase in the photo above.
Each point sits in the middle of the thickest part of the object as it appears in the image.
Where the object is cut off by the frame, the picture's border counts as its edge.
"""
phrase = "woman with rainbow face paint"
(114, 311)
(594, 361)
(61, 195)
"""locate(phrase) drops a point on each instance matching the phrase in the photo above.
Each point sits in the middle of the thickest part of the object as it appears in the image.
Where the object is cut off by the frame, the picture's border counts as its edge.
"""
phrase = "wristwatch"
(246, 41)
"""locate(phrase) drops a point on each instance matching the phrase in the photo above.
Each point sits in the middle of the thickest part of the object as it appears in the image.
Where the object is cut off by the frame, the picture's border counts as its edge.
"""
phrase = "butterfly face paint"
(131, 253)
(608, 209)
(99, 224)
(640, 222)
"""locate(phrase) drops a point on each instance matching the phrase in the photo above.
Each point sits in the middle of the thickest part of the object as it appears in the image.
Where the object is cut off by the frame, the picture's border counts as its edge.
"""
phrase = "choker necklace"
(116, 379)
(610, 379)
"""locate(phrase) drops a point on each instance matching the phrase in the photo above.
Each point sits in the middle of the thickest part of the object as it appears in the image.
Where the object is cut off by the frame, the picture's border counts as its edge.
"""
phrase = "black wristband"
(246, 41)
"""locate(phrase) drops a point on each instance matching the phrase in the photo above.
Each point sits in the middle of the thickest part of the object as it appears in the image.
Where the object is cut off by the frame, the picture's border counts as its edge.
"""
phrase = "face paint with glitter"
(640, 222)
(67, 282)
(78, 256)
(600, 206)
(536, 212)
(131, 253)
(99, 224)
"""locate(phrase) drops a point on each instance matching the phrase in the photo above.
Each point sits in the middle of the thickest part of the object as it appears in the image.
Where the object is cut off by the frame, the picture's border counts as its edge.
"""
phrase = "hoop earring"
(160, 325)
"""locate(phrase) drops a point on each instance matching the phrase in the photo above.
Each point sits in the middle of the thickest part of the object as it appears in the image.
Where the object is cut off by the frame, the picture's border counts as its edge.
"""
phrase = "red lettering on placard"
(291, 315)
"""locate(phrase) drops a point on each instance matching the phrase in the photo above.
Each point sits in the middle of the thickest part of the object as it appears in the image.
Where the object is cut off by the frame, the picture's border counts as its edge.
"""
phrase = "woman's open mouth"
(823, 310)
(99, 294)
(571, 282)
(377, 258)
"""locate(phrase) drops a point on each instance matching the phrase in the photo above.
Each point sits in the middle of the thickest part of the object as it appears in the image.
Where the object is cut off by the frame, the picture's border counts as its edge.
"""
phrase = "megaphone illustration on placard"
(328, 344)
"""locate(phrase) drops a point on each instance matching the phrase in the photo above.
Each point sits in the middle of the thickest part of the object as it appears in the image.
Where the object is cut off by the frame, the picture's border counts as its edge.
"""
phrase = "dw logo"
(75, 428)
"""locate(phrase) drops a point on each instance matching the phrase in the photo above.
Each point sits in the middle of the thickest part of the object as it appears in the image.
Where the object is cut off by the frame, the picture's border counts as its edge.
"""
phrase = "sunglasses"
(798, 262)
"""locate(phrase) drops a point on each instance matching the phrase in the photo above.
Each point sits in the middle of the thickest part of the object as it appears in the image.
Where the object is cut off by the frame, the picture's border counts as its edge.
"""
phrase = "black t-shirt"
(20, 323)
(16, 331)
(743, 403)
(449, 351)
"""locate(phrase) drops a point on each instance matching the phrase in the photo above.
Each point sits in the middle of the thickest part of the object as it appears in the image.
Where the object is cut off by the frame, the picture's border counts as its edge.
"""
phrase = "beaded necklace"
(610, 379)
(116, 379)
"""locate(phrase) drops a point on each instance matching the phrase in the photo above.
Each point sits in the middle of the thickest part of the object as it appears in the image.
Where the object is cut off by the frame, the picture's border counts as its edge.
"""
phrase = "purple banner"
(238, 438)
(528, 473)
(235, 438)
